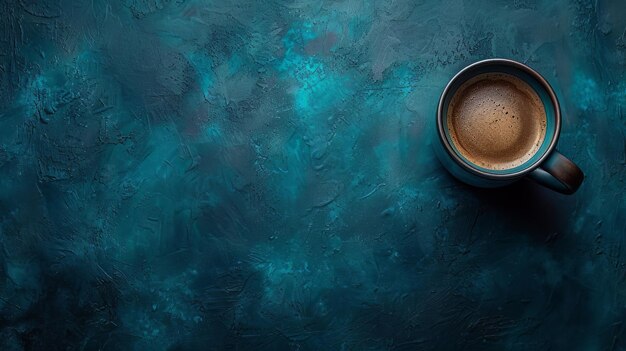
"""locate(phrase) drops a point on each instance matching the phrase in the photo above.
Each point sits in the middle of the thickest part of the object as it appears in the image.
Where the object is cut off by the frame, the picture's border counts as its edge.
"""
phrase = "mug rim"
(471, 167)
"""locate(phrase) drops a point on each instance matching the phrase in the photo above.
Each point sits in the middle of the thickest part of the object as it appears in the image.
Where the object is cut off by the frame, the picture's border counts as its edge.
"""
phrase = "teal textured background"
(258, 175)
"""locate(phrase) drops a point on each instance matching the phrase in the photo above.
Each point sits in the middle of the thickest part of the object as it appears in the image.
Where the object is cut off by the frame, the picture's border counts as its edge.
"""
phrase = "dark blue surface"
(184, 175)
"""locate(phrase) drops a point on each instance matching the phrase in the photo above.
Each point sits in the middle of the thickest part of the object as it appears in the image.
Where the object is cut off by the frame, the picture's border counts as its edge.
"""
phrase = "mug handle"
(558, 173)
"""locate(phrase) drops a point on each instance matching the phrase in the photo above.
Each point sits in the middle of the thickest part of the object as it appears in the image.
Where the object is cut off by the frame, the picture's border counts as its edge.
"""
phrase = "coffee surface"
(496, 121)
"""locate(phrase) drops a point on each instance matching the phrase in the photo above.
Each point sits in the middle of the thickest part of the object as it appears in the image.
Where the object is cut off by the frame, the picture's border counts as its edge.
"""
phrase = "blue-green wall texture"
(258, 175)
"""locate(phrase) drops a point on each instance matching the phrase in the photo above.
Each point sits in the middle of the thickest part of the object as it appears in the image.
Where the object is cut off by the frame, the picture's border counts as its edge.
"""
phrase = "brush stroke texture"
(246, 175)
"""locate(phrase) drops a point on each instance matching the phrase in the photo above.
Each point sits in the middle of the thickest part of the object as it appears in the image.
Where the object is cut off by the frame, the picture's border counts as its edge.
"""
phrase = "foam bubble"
(500, 137)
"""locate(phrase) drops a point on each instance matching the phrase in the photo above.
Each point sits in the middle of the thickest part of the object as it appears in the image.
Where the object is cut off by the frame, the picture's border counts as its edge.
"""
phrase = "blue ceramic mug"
(546, 166)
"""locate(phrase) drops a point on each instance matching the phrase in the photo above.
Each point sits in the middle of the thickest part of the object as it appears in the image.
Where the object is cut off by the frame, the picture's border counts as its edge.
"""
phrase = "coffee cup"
(499, 121)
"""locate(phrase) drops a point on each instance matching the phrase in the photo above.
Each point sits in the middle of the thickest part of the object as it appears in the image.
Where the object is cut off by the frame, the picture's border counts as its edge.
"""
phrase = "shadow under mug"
(546, 167)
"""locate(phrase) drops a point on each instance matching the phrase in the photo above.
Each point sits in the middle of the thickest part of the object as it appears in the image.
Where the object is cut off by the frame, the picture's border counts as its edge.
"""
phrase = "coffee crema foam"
(496, 121)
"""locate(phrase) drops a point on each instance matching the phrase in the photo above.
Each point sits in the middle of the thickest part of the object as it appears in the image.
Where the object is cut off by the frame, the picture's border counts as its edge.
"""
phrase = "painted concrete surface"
(258, 175)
